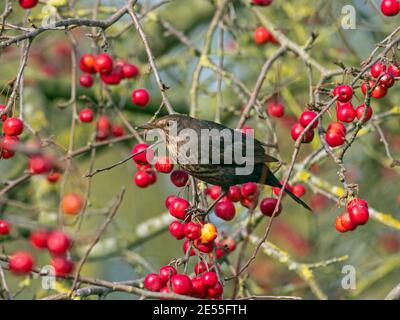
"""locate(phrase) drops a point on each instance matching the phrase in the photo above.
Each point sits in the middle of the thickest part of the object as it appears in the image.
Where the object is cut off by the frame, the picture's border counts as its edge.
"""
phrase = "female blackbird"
(216, 154)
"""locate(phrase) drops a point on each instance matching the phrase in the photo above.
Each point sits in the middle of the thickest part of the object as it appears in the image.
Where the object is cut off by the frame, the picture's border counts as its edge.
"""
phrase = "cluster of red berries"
(56, 242)
(27, 4)
(110, 73)
(357, 214)
(383, 79)
(275, 109)
(104, 128)
(204, 284)
(143, 155)
(305, 119)
(261, 2)
(390, 7)
(12, 129)
(262, 35)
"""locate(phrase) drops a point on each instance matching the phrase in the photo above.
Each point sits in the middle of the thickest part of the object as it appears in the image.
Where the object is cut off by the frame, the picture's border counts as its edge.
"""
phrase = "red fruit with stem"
(192, 230)
(394, 70)
(130, 71)
(4, 116)
(176, 229)
(298, 190)
(178, 208)
(229, 243)
(38, 239)
(72, 203)
(114, 77)
(21, 262)
(186, 247)
(58, 243)
(117, 130)
(343, 92)
(338, 127)
(261, 2)
(103, 123)
(334, 138)
(225, 210)
(4, 227)
(378, 92)
(103, 63)
(204, 247)
(346, 114)
(169, 200)
(200, 267)
(377, 69)
(27, 4)
(198, 288)
(262, 35)
(143, 156)
(166, 272)
(86, 80)
(338, 224)
(209, 278)
(143, 179)
(277, 190)
(346, 222)
(357, 202)
(249, 189)
(360, 111)
(181, 284)
(386, 81)
(40, 164)
(179, 178)
(275, 109)
(306, 117)
(390, 7)
(62, 266)
(86, 115)
(358, 214)
(13, 127)
(163, 164)
(140, 97)
(215, 291)
(297, 130)
(9, 143)
(214, 192)
(153, 282)
(234, 194)
(86, 63)
(267, 207)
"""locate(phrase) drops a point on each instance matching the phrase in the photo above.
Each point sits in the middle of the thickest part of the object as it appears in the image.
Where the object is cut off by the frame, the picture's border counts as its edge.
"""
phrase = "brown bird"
(218, 166)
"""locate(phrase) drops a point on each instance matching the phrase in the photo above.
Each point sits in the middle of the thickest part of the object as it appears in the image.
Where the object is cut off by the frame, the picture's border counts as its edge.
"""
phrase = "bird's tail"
(273, 181)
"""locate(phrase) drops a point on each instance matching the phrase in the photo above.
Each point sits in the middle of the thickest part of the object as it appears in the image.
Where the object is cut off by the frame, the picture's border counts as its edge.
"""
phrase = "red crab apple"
(140, 97)
(62, 266)
(176, 229)
(163, 164)
(38, 239)
(21, 262)
(225, 210)
(86, 115)
(86, 80)
(179, 178)
(267, 207)
(13, 127)
(166, 272)
(390, 7)
(58, 243)
(4, 227)
(153, 282)
(72, 203)
(27, 4)
(275, 109)
(103, 63)
(181, 284)
(178, 208)
(306, 117)
(86, 63)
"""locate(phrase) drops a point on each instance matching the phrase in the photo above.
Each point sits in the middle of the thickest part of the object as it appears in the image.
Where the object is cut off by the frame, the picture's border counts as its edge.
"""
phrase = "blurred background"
(374, 250)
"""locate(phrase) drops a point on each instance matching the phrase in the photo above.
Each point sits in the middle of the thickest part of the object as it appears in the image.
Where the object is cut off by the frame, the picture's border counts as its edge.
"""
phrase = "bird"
(182, 134)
